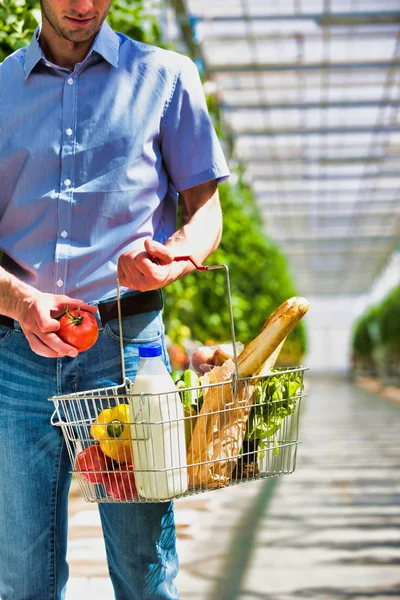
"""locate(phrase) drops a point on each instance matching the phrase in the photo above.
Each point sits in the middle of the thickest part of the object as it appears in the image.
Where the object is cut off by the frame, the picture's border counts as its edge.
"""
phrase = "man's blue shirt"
(92, 160)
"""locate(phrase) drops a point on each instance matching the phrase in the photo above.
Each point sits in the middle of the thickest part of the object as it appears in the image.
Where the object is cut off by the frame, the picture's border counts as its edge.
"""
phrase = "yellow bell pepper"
(112, 430)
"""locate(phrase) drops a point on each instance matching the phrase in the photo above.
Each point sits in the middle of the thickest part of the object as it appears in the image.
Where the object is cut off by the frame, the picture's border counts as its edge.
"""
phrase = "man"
(99, 136)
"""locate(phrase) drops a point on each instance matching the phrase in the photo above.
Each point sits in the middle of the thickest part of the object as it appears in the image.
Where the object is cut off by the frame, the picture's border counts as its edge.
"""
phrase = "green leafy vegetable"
(275, 399)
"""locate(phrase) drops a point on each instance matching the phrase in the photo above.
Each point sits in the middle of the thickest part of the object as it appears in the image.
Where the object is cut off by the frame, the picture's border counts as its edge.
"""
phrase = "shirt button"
(69, 131)
(60, 283)
(64, 234)
(67, 182)
(70, 81)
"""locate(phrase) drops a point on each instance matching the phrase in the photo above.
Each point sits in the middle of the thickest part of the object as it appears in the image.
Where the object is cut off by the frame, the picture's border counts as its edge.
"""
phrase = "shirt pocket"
(116, 205)
(123, 204)
(112, 188)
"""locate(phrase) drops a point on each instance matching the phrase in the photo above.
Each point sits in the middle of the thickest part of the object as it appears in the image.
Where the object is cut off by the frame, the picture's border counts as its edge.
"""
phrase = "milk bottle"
(158, 431)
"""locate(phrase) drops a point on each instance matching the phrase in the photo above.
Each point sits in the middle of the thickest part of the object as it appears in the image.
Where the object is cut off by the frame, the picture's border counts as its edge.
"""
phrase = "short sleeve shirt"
(92, 160)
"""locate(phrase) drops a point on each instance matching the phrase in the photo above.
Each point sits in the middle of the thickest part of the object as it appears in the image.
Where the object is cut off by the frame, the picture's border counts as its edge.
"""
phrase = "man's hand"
(148, 269)
(36, 314)
(154, 267)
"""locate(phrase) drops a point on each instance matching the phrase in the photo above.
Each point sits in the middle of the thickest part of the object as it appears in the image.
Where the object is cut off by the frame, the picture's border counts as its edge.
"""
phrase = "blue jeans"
(35, 478)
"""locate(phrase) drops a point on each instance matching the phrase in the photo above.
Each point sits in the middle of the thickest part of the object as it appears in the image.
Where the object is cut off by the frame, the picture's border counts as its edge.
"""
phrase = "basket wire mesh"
(232, 432)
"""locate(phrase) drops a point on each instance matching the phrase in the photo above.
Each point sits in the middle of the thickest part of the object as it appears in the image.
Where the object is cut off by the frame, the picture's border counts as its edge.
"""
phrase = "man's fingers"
(129, 273)
(84, 306)
(57, 345)
(122, 272)
(158, 252)
(41, 348)
(50, 345)
(142, 272)
(64, 302)
(47, 325)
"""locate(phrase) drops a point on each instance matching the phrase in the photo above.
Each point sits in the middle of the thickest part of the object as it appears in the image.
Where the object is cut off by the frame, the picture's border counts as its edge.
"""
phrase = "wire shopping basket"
(214, 435)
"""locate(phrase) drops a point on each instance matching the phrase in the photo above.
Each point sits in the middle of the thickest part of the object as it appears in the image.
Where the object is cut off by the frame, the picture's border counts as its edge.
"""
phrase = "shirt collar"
(33, 54)
(106, 44)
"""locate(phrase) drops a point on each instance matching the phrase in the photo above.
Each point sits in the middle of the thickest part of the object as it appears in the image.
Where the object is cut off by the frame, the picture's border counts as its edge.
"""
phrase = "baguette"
(276, 328)
(269, 364)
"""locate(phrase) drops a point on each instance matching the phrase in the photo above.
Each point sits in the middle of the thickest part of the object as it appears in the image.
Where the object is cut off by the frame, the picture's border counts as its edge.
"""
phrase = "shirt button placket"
(67, 182)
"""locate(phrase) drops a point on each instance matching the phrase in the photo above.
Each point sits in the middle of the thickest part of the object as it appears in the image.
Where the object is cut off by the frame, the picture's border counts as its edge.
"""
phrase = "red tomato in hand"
(79, 329)
(90, 463)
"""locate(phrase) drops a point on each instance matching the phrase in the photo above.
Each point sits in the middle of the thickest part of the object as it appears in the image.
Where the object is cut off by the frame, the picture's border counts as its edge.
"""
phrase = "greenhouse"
(304, 97)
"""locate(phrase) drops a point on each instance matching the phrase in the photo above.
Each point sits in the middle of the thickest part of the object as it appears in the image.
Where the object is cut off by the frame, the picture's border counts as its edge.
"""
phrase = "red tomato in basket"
(120, 483)
(90, 462)
(79, 329)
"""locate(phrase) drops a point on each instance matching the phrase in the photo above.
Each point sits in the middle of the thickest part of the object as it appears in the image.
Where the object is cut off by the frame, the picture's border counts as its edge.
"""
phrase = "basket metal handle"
(199, 267)
(121, 343)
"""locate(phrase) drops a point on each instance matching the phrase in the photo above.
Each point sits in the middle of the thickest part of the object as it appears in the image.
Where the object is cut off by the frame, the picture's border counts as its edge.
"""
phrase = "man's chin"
(79, 36)
(74, 33)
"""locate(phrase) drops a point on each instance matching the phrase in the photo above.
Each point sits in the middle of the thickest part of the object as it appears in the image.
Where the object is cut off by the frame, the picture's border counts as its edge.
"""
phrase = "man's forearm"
(12, 291)
(200, 233)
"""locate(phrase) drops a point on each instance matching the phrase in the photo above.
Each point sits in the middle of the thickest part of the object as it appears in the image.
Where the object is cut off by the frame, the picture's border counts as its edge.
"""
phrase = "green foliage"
(131, 18)
(390, 320)
(259, 278)
(376, 334)
(363, 341)
(18, 21)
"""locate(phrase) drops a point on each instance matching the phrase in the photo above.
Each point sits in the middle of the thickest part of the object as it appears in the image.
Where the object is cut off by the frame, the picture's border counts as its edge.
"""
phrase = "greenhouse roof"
(310, 97)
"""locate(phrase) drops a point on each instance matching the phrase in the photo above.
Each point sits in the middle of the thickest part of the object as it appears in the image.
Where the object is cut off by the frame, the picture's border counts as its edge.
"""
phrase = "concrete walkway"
(329, 531)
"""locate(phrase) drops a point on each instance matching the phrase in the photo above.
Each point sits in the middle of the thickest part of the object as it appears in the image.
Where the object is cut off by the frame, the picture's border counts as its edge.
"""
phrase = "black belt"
(130, 305)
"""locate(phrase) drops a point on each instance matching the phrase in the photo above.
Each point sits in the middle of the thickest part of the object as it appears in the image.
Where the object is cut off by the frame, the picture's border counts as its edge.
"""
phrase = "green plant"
(363, 343)
(18, 21)
(390, 320)
(376, 336)
(133, 18)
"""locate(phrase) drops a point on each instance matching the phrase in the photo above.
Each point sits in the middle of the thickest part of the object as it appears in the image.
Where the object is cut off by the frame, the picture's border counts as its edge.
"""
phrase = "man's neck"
(61, 52)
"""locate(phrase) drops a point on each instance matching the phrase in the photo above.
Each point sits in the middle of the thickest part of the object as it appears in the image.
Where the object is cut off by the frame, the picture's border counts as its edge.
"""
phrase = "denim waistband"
(108, 311)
